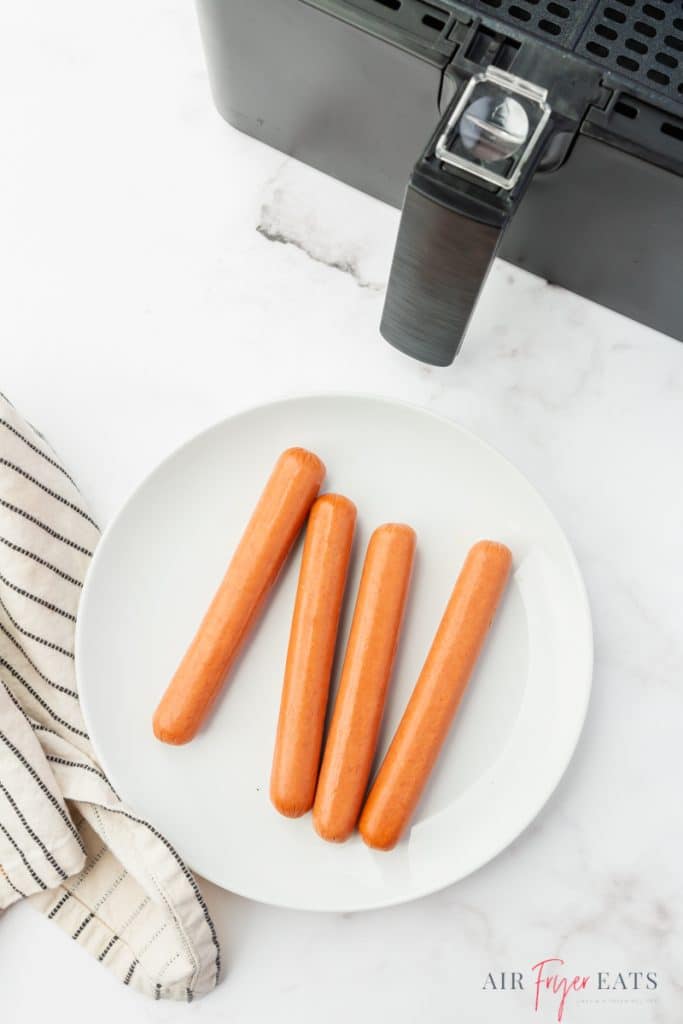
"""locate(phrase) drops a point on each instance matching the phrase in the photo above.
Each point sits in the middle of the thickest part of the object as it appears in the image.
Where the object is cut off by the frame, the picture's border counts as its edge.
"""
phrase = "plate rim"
(451, 423)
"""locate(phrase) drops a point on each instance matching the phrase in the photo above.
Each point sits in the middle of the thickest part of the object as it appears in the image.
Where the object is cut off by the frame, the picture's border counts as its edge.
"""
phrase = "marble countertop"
(159, 271)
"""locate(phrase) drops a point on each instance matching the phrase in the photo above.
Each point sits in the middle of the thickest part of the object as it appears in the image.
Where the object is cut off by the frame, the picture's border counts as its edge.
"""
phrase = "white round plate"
(163, 556)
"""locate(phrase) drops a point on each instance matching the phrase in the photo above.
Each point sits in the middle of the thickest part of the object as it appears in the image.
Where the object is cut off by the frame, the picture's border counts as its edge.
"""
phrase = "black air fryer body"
(549, 132)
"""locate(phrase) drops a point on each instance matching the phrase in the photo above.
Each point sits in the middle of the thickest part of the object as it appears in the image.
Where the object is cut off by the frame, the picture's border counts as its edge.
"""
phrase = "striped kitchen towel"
(67, 842)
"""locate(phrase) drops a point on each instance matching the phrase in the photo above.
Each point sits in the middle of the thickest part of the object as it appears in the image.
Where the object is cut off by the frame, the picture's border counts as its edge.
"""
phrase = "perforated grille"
(558, 20)
(641, 39)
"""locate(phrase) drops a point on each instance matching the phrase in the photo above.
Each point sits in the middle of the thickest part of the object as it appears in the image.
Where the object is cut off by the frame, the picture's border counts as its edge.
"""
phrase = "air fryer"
(548, 132)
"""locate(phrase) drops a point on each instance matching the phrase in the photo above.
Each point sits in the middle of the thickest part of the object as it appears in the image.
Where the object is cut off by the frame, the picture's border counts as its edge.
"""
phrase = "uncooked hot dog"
(437, 694)
(366, 672)
(324, 566)
(265, 544)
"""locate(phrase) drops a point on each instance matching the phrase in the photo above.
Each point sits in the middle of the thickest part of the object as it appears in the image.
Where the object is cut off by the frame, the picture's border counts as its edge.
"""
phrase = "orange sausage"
(324, 565)
(265, 544)
(368, 662)
(435, 699)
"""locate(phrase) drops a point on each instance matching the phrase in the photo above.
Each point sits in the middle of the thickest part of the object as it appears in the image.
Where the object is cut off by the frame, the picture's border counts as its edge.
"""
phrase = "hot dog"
(265, 544)
(437, 694)
(366, 672)
(312, 639)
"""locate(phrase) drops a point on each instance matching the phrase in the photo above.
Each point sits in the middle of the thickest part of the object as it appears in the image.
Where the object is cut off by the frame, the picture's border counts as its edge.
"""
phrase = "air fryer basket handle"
(461, 195)
(441, 261)
(502, 127)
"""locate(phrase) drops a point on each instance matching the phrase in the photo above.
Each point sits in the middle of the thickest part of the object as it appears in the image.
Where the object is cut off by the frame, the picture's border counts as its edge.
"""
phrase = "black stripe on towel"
(58, 905)
(36, 878)
(78, 764)
(37, 840)
(41, 561)
(34, 636)
(34, 447)
(48, 490)
(113, 940)
(43, 526)
(56, 686)
(83, 925)
(46, 707)
(11, 884)
(41, 785)
(131, 972)
(38, 600)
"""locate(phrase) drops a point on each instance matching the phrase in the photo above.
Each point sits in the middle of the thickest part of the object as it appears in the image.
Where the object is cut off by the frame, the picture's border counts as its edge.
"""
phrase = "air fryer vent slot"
(645, 126)
(557, 21)
(427, 21)
(432, 21)
(640, 39)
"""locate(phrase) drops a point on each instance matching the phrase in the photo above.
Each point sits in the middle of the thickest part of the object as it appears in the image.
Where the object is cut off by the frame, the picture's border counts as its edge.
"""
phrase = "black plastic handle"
(450, 230)
(440, 264)
(465, 188)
